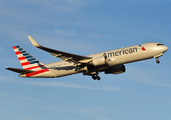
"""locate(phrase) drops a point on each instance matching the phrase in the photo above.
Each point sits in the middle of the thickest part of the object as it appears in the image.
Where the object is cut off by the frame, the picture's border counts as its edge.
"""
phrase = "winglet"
(34, 42)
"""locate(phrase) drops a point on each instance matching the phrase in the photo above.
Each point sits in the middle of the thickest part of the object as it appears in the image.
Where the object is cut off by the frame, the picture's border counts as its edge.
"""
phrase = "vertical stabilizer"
(27, 61)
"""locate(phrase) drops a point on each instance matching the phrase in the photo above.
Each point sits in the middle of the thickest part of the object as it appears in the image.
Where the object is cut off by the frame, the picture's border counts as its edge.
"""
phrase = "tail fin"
(27, 61)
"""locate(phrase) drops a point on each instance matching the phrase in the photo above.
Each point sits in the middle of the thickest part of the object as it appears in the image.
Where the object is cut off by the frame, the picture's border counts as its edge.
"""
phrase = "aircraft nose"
(165, 48)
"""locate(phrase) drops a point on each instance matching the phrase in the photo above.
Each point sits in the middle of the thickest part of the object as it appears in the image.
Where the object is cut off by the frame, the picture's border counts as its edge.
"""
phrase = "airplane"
(109, 62)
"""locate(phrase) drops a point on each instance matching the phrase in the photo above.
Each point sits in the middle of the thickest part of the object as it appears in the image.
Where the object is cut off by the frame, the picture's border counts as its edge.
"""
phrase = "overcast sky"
(84, 27)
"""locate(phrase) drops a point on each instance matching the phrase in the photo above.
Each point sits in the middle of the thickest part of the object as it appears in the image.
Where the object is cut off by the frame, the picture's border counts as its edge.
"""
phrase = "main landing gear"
(92, 71)
(95, 77)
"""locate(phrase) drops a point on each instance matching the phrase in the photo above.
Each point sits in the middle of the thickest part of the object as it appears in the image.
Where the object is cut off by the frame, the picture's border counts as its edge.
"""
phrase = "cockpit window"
(159, 44)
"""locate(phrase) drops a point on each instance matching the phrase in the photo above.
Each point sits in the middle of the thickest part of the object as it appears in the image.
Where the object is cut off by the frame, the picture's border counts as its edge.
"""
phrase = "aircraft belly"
(60, 73)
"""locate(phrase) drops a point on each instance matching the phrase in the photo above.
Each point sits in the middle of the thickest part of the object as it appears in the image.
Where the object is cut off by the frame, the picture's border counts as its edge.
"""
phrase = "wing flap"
(17, 70)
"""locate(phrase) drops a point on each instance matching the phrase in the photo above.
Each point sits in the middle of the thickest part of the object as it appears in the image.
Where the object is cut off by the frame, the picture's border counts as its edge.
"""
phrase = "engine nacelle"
(100, 61)
(115, 69)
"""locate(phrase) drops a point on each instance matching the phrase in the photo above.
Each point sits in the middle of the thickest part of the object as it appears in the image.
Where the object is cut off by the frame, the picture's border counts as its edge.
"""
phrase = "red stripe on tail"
(25, 63)
(21, 58)
(14, 47)
(18, 52)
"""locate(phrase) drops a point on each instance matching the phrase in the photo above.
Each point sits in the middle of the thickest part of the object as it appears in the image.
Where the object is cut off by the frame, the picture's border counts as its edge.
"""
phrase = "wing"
(68, 57)
(22, 71)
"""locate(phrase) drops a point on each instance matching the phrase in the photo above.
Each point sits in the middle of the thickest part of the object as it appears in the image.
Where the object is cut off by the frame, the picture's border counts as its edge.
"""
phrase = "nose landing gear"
(157, 57)
(157, 61)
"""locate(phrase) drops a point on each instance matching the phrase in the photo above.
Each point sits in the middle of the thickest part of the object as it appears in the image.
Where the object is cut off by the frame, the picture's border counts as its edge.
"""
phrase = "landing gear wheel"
(157, 61)
(98, 78)
(94, 77)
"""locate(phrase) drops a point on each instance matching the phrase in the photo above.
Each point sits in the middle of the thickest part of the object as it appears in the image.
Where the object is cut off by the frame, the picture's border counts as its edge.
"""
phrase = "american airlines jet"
(109, 62)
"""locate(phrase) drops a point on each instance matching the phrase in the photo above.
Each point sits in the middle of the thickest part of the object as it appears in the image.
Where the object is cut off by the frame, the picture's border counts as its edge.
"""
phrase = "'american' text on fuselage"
(121, 52)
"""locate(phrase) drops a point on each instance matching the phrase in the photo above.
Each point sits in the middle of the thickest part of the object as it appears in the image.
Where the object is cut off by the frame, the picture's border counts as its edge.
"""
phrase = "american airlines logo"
(142, 47)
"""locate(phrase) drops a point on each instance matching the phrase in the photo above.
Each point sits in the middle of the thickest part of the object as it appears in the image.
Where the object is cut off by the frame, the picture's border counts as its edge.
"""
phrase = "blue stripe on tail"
(29, 57)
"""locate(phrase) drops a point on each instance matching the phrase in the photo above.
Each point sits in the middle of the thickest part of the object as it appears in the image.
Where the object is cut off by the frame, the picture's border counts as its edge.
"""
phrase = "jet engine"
(99, 61)
(115, 69)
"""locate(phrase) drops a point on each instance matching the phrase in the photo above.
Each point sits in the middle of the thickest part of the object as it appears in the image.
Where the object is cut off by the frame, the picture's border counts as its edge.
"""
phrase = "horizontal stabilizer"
(22, 71)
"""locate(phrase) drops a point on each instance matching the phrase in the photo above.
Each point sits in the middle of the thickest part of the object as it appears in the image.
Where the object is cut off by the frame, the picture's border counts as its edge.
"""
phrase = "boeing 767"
(109, 62)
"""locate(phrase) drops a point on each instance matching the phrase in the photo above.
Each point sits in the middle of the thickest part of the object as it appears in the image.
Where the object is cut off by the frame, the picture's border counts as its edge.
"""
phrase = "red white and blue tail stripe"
(28, 62)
